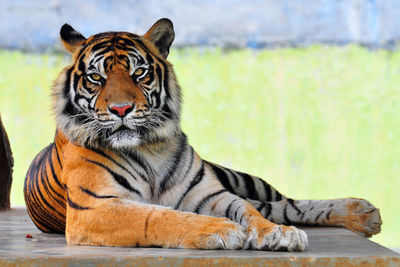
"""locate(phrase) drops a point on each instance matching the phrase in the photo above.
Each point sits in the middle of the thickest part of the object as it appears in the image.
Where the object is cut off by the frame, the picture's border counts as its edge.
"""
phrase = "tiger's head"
(119, 91)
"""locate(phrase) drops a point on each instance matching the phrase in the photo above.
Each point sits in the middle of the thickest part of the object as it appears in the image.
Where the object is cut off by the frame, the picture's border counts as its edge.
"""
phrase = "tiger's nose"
(121, 110)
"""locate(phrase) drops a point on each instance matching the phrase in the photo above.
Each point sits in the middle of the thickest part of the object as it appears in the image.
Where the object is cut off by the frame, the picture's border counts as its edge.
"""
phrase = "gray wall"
(34, 25)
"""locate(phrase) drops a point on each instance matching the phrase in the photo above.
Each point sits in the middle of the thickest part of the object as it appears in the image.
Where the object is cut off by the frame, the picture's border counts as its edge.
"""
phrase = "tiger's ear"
(71, 38)
(161, 34)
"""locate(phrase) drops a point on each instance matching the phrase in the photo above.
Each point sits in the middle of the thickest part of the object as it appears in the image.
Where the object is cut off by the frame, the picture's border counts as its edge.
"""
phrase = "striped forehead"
(106, 52)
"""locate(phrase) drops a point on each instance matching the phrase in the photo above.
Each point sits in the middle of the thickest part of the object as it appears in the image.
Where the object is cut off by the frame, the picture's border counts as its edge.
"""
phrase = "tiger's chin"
(124, 139)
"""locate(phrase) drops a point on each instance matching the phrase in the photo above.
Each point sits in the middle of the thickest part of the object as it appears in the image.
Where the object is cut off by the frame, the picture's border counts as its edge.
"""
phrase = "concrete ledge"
(329, 246)
(35, 25)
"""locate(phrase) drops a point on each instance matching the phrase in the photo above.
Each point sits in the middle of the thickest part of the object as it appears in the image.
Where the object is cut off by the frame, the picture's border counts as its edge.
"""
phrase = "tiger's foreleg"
(357, 215)
(106, 209)
(116, 222)
(209, 197)
(262, 233)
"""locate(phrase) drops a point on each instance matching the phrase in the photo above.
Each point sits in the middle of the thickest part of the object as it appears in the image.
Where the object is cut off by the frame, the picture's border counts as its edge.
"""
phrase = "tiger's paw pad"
(225, 235)
(362, 217)
(280, 237)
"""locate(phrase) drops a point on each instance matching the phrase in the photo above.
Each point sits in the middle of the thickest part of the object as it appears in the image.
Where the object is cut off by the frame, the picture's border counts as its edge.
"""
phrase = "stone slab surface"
(328, 247)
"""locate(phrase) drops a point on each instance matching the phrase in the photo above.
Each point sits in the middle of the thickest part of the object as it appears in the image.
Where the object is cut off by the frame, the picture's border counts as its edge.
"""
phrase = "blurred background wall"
(305, 94)
(34, 25)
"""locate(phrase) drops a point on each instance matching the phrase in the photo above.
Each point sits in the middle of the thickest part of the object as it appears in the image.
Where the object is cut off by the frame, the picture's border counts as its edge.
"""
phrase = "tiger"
(121, 173)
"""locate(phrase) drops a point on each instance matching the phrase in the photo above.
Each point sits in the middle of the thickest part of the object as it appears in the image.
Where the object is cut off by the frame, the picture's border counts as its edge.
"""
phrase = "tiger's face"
(120, 90)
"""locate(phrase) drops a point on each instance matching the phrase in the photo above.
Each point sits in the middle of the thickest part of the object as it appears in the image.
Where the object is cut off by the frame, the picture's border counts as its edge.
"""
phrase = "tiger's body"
(121, 172)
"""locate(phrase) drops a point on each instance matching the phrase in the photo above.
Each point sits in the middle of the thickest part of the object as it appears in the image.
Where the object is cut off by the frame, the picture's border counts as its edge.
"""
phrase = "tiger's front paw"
(277, 237)
(215, 233)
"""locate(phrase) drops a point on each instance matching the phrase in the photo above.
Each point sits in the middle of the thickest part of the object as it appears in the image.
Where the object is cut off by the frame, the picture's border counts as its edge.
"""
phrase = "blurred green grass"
(316, 122)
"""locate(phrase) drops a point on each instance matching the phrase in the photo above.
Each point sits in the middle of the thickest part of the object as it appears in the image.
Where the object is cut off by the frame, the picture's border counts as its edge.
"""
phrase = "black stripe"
(222, 177)
(166, 79)
(268, 207)
(133, 53)
(69, 108)
(53, 173)
(260, 206)
(106, 49)
(149, 58)
(75, 83)
(96, 59)
(197, 178)
(91, 193)
(175, 163)
(291, 202)
(136, 158)
(206, 199)
(73, 205)
(67, 84)
(81, 67)
(129, 42)
(190, 163)
(101, 45)
(302, 216)
(235, 178)
(150, 77)
(48, 187)
(58, 156)
(86, 86)
(287, 220)
(228, 209)
(141, 44)
(147, 223)
(319, 215)
(278, 196)
(241, 218)
(118, 178)
(167, 112)
(267, 190)
(236, 211)
(159, 75)
(107, 63)
(328, 214)
(250, 186)
(102, 153)
(83, 50)
(128, 160)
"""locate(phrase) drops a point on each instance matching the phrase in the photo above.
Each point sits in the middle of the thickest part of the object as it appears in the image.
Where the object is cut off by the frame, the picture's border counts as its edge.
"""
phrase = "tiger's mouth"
(123, 127)
(124, 130)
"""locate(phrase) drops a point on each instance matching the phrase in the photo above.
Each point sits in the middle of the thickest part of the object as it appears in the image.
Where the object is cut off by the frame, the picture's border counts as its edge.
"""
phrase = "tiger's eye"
(95, 76)
(139, 71)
